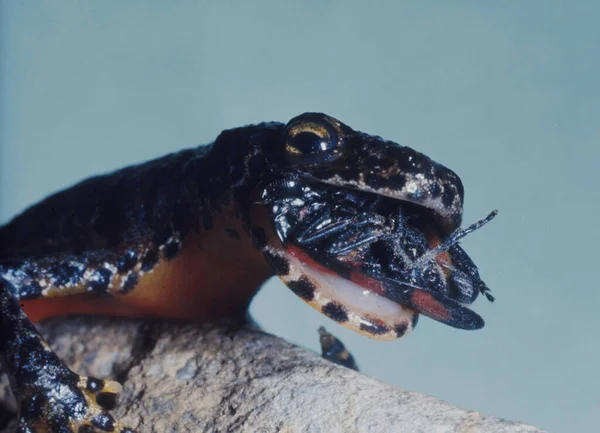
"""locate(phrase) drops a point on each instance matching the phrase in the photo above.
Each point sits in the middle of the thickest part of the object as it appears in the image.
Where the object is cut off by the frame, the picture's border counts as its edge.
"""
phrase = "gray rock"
(194, 378)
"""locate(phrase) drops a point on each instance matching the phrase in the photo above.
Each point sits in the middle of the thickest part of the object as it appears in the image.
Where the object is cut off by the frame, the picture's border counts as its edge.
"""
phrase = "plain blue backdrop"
(506, 94)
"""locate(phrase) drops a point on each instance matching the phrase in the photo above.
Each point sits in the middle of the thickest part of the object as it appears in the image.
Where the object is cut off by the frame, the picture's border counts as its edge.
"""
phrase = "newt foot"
(79, 405)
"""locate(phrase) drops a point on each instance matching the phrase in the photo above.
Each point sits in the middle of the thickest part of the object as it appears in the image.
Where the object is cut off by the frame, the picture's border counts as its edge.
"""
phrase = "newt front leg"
(51, 397)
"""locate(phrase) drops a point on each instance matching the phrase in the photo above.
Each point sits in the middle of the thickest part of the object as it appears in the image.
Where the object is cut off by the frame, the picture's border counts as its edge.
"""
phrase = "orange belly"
(214, 276)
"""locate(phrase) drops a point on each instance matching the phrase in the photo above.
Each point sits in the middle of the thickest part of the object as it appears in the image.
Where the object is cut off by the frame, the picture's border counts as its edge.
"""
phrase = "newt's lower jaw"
(356, 302)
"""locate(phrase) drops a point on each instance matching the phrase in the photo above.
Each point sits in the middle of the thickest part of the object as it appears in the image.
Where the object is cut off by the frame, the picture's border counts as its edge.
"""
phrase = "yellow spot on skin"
(344, 355)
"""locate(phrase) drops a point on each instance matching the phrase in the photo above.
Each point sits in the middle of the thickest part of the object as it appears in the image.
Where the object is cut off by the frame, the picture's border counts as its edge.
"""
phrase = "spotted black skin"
(103, 234)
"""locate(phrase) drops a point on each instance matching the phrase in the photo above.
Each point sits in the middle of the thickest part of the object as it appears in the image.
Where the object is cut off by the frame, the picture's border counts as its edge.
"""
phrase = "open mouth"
(372, 262)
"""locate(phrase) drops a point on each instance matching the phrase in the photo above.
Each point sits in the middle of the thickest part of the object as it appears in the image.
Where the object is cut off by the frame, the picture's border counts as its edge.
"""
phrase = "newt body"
(360, 228)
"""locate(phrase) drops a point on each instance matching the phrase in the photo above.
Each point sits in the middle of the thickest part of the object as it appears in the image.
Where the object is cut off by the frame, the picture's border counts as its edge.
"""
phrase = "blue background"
(506, 94)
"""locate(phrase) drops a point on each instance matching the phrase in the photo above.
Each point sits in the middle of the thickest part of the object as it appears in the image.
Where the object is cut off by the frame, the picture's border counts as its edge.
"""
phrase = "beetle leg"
(354, 224)
(399, 222)
(331, 229)
(340, 247)
(316, 227)
(363, 231)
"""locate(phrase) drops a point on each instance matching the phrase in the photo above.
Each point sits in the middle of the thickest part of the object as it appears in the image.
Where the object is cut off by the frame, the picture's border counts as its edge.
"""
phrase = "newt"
(363, 229)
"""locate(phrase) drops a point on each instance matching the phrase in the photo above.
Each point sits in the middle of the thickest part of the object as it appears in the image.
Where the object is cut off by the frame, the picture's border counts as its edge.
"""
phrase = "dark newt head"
(368, 229)
(319, 147)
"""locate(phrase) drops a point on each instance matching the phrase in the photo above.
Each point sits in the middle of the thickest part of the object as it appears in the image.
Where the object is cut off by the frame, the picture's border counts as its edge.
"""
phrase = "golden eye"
(312, 139)
(309, 138)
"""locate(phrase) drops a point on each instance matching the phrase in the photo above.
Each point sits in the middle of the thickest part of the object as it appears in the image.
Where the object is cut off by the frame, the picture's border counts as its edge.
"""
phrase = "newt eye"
(311, 141)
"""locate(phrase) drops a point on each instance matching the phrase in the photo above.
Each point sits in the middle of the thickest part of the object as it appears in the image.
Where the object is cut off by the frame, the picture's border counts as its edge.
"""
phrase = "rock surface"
(192, 378)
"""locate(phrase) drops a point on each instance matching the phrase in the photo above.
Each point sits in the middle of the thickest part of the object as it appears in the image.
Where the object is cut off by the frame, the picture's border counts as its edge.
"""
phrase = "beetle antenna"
(454, 237)
(458, 234)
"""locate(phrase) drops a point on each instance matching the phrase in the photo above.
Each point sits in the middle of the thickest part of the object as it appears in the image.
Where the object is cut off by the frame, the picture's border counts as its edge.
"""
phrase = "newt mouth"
(372, 262)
